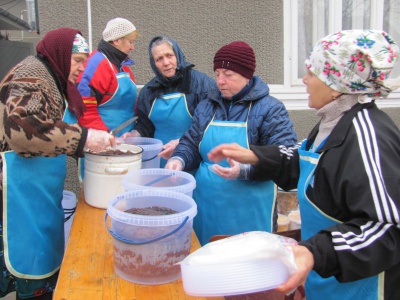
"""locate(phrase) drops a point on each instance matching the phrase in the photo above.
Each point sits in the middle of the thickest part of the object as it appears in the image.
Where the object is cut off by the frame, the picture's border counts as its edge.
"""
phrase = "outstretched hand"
(233, 151)
(231, 172)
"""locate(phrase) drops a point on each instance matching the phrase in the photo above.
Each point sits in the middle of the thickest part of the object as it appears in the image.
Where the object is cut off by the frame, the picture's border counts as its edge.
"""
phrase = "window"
(306, 21)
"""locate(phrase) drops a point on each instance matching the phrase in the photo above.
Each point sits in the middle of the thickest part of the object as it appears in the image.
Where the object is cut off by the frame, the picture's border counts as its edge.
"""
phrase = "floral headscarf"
(80, 45)
(355, 62)
(56, 49)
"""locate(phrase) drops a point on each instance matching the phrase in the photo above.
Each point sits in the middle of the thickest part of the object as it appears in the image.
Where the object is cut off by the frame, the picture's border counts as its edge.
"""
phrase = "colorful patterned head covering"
(80, 45)
(55, 48)
(355, 62)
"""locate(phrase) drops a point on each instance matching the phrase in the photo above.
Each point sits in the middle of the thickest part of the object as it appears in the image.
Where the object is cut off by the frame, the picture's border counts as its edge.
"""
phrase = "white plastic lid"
(159, 179)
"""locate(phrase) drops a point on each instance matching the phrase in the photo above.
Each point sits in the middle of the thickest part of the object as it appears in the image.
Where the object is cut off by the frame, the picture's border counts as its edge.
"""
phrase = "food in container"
(147, 244)
(287, 201)
(295, 220)
(283, 222)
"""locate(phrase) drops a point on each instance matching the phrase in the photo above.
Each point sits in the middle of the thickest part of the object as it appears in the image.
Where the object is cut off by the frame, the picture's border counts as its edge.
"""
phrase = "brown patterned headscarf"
(56, 49)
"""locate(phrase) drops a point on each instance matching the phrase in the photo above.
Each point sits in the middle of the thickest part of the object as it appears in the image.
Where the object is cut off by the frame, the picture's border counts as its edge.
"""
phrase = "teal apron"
(314, 220)
(33, 217)
(118, 109)
(229, 206)
(171, 118)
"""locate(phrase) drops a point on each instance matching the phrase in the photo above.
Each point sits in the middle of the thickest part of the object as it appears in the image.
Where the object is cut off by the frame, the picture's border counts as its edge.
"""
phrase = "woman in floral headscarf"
(347, 172)
(39, 108)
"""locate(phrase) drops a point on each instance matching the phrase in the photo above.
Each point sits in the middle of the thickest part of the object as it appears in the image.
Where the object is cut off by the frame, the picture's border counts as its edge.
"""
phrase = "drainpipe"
(89, 18)
(22, 18)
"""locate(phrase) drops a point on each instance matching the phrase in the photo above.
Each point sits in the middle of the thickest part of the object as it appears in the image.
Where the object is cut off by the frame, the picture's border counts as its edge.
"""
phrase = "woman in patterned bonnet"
(347, 172)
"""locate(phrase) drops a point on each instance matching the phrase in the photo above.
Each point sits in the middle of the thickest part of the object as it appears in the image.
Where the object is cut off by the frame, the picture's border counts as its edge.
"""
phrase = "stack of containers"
(288, 210)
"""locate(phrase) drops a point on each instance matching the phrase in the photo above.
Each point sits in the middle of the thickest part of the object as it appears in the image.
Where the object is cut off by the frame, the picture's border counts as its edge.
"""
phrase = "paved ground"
(9, 297)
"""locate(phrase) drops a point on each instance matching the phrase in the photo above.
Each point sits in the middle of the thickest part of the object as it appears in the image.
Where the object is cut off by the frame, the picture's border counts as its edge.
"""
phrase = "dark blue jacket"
(268, 121)
(194, 84)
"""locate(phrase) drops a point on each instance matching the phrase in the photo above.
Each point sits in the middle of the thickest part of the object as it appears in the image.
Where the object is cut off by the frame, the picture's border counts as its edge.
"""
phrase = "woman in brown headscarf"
(38, 128)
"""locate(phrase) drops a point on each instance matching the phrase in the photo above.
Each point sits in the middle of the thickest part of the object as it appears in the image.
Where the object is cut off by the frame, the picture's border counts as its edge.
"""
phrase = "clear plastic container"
(295, 220)
(69, 205)
(159, 179)
(148, 248)
(283, 222)
(151, 148)
(287, 201)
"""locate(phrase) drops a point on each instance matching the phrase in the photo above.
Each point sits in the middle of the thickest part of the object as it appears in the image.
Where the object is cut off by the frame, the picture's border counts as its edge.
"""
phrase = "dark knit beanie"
(237, 56)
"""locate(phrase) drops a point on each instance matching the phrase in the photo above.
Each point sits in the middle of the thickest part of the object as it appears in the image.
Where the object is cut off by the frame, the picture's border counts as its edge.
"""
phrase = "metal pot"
(104, 172)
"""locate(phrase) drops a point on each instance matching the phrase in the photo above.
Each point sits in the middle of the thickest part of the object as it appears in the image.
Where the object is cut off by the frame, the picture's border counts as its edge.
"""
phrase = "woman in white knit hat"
(347, 172)
(108, 85)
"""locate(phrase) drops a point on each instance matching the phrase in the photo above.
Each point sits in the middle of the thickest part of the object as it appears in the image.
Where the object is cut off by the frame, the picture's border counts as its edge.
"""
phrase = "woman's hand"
(133, 133)
(174, 164)
(99, 140)
(305, 263)
(234, 151)
(231, 172)
(168, 149)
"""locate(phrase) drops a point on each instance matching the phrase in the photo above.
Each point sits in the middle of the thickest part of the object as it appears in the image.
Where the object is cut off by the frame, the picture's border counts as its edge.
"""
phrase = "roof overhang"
(10, 22)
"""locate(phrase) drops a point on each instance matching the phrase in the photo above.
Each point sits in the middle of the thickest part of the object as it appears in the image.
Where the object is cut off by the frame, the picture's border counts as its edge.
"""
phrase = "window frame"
(293, 92)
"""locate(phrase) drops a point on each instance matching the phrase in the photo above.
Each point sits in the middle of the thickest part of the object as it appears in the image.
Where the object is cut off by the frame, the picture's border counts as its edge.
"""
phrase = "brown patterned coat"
(31, 112)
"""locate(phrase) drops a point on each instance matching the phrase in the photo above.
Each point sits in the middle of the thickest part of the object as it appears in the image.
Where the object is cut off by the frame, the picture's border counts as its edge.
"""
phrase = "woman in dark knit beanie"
(241, 111)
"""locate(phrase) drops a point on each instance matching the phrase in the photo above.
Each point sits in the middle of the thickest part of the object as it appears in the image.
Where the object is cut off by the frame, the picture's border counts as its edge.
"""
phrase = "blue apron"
(171, 118)
(314, 220)
(118, 109)
(33, 217)
(229, 206)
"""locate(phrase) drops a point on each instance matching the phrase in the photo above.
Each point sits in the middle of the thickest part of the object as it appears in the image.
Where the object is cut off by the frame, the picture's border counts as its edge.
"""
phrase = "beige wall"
(201, 27)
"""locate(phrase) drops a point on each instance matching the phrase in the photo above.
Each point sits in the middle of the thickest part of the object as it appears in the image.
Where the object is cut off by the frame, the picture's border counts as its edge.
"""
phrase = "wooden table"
(87, 271)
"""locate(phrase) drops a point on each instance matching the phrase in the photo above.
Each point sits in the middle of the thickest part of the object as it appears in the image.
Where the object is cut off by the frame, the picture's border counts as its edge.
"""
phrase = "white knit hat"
(117, 28)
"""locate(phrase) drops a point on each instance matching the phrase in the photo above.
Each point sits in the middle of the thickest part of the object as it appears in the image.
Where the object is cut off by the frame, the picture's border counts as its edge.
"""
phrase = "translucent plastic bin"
(69, 205)
(147, 248)
(159, 179)
(151, 148)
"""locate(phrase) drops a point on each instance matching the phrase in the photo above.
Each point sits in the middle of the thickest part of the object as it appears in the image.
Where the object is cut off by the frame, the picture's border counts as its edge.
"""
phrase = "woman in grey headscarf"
(166, 103)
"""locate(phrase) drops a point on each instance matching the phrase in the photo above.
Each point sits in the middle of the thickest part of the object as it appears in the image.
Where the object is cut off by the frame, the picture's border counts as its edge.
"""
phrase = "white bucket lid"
(182, 203)
(159, 179)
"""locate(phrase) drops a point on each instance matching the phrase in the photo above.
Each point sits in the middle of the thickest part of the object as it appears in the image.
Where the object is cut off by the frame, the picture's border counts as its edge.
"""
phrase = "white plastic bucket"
(103, 174)
(151, 148)
(148, 248)
(69, 205)
(160, 179)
